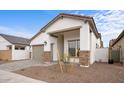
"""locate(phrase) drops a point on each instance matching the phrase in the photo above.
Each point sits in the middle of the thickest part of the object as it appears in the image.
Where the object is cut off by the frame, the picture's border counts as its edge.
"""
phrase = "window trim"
(19, 48)
(76, 40)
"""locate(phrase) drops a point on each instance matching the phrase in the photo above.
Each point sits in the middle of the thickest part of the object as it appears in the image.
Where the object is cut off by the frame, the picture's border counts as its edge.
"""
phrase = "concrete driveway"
(8, 77)
(16, 65)
(1, 62)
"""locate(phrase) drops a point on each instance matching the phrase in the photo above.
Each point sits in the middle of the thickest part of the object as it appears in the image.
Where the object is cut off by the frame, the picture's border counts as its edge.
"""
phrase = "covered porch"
(72, 44)
(68, 44)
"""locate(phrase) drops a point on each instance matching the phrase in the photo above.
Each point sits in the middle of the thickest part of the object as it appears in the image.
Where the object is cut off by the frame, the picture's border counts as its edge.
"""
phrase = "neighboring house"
(67, 34)
(14, 48)
(118, 45)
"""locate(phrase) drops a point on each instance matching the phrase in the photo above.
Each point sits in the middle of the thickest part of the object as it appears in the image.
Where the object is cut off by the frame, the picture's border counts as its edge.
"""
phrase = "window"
(9, 47)
(97, 46)
(78, 47)
(19, 48)
(22, 48)
(74, 47)
(16, 48)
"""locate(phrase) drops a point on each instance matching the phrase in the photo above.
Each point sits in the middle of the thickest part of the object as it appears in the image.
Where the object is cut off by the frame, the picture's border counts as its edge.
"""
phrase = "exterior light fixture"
(45, 42)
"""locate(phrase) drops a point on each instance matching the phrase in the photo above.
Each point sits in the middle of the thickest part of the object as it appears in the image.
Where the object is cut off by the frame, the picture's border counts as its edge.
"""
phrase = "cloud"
(16, 31)
(77, 12)
(110, 23)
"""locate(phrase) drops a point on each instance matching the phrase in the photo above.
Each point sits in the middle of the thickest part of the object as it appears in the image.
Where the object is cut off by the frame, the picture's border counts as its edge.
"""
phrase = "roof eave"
(88, 18)
(118, 38)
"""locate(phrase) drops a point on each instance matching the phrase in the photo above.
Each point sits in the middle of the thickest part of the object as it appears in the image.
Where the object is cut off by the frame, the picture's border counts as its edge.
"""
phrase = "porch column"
(47, 51)
(13, 49)
(84, 55)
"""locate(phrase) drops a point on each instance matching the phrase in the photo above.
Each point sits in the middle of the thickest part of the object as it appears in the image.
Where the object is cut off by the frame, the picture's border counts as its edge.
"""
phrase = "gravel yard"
(96, 73)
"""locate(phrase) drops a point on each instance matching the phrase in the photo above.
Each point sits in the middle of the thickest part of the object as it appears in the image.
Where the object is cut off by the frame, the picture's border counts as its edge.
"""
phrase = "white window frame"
(75, 47)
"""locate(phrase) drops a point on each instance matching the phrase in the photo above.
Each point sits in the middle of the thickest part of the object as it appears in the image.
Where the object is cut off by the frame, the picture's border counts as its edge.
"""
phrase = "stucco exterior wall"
(85, 37)
(99, 42)
(64, 23)
(53, 41)
(40, 40)
(46, 37)
(71, 35)
(60, 44)
(4, 43)
(92, 47)
(20, 54)
(101, 55)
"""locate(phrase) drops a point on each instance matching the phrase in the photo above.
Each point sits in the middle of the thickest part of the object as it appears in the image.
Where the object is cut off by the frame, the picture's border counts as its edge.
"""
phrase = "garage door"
(38, 52)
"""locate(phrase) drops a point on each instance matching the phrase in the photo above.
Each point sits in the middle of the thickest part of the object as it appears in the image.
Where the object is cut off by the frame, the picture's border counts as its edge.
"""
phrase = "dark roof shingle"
(15, 39)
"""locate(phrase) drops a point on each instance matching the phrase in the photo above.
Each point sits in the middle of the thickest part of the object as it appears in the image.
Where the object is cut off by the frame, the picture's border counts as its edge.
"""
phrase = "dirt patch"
(10, 61)
(96, 73)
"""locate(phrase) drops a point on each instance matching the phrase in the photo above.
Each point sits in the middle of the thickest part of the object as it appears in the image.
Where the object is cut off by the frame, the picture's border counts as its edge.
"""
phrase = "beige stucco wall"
(64, 23)
(117, 45)
(72, 35)
(101, 55)
(93, 48)
(20, 54)
(4, 43)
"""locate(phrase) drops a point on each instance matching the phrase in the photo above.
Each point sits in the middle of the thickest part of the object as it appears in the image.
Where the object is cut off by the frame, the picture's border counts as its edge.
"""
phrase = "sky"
(26, 23)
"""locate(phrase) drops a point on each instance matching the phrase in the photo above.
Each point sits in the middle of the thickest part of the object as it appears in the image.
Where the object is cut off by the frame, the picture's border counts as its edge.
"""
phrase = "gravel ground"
(96, 73)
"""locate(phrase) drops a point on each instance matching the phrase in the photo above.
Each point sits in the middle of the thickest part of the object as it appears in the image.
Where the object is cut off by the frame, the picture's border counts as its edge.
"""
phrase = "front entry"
(38, 52)
(52, 52)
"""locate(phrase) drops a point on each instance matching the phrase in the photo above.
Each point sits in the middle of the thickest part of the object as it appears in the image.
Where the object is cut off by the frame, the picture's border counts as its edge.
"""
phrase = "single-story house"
(118, 45)
(72, 35)
(14, 48)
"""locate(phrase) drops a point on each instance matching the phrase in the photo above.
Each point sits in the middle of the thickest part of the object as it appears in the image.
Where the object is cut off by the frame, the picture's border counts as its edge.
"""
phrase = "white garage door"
(38, 52)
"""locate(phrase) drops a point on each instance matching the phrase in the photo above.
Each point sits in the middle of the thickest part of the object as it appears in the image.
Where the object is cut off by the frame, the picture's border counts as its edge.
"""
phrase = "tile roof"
(86, 18)
(15, 39)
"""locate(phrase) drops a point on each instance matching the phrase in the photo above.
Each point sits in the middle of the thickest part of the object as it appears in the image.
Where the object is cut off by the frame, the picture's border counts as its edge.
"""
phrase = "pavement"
(13, 66)
(7, 76)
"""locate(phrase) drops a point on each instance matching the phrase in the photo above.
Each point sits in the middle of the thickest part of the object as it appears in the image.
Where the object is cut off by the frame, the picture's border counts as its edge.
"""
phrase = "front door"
(52, 45)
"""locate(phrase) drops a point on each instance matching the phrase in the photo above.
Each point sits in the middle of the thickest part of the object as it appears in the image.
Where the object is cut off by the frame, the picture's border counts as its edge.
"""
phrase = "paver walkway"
(13, 66)
(8, 77)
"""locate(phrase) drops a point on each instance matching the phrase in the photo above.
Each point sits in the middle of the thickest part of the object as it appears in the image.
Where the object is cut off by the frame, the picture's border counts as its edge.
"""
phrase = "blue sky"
(27, 23)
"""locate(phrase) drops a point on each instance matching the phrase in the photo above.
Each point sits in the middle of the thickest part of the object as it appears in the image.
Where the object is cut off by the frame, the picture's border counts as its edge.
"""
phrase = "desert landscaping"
(97, 73)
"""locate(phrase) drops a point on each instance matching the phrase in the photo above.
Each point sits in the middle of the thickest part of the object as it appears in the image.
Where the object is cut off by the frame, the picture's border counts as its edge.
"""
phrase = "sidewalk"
(8, 77)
